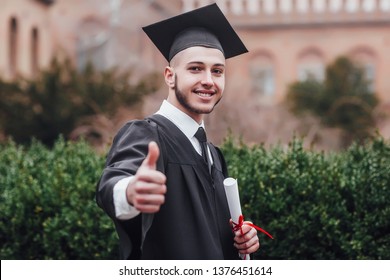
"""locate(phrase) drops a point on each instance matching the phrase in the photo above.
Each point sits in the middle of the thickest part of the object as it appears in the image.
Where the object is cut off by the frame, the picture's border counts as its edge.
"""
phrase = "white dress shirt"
(187, 125)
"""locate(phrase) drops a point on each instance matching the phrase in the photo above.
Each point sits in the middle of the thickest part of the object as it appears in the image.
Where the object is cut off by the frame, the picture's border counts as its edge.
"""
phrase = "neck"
(196, 117)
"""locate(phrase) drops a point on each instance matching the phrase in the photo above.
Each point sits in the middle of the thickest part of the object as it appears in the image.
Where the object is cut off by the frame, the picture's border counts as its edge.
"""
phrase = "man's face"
(199, 80)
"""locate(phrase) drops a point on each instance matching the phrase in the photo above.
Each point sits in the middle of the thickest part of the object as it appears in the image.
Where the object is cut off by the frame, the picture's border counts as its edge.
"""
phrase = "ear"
(169, 76)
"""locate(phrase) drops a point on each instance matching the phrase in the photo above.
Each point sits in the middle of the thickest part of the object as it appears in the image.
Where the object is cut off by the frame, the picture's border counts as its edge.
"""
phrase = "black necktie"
(201, 136)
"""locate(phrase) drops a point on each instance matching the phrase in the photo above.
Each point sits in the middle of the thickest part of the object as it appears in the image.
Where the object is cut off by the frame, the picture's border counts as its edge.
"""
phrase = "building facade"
(26, 37)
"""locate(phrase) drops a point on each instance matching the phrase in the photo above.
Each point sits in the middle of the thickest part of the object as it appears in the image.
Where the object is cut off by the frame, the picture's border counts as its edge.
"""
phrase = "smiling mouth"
(204, 93)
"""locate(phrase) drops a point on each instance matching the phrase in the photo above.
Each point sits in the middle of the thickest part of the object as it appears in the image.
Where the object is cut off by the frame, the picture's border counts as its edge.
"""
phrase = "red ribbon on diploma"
(238, 226)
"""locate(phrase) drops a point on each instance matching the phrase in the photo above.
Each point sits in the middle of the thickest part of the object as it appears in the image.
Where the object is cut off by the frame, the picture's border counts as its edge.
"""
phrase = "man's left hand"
(246, 240)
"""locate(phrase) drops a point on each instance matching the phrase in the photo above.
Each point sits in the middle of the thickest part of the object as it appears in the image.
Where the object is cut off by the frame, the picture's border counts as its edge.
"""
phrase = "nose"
(207, 80)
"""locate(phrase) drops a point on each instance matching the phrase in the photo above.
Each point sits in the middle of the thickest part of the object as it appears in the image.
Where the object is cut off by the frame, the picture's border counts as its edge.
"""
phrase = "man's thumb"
(153, 154)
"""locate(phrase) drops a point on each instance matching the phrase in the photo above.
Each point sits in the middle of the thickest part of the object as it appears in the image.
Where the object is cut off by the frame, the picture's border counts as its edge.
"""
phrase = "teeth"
(204, 94)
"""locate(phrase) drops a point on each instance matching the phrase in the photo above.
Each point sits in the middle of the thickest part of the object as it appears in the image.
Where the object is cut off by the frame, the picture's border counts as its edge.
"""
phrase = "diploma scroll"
(233, 199)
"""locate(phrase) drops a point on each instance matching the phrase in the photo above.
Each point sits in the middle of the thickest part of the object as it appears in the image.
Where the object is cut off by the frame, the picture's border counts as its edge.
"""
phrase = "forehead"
(198, 54)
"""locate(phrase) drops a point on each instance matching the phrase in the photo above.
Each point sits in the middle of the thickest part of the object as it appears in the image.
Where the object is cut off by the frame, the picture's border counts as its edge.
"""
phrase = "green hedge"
(47, 204)
(316, 205)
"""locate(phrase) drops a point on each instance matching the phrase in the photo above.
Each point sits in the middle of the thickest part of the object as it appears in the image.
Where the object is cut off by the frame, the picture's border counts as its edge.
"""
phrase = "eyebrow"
(200, 62)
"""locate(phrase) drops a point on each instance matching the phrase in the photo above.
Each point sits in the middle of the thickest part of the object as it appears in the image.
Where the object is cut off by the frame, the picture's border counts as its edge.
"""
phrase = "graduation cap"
(206, 26)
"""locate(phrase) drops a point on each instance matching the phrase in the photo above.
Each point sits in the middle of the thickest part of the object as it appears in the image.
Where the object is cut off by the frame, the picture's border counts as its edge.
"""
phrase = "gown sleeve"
(129, 149)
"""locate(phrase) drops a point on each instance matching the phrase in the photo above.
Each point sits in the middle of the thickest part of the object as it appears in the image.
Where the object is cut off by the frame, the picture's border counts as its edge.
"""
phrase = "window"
(92, 44)
(263, 75)
(365, 58)
(34, 51)
(311, 71)
(311, 66)
(369, 73)
(13, 45)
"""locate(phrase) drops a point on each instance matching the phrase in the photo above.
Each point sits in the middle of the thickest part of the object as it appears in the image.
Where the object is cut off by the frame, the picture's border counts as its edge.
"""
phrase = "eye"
(195, 68)
(218, 71)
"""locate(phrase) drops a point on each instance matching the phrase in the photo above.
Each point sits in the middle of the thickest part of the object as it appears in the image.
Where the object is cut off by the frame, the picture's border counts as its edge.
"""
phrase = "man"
(163, 183)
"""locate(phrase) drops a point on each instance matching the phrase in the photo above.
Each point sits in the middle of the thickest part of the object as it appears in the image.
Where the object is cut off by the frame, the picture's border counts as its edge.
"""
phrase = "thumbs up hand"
(146, 191)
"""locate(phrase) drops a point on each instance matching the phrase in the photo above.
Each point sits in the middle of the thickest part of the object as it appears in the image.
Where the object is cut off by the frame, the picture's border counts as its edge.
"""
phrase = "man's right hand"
(146, 191)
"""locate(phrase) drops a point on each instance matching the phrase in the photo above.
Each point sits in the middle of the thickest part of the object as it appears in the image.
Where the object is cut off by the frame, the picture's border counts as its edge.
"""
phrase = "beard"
(183, 100)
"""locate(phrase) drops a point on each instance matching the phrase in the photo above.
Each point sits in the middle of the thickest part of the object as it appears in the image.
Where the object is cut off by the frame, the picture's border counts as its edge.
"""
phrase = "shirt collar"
(184, 122)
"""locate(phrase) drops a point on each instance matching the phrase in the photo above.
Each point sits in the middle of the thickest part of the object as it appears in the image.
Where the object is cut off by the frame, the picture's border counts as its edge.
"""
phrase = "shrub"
(344, 100)
(61, 97)
(48, 206)
(316, 205)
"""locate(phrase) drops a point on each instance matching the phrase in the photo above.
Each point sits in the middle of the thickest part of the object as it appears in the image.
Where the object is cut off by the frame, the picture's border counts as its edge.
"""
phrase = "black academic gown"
(193, 223)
